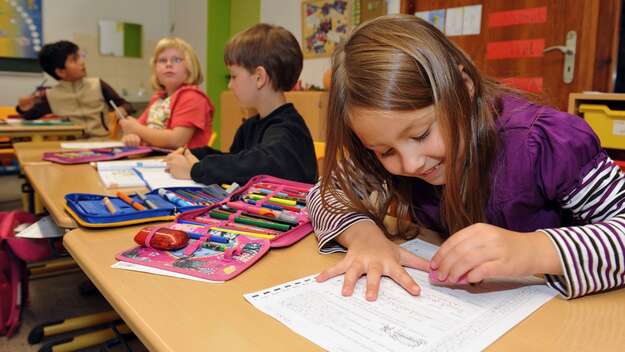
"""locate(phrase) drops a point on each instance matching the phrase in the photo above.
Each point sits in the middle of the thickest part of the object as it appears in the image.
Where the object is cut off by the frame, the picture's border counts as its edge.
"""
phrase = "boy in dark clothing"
(264, 62)
(84, 100)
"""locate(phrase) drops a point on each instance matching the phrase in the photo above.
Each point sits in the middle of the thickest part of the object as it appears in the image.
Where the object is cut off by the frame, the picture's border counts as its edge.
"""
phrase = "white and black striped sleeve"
(593, 255)
(327, 225)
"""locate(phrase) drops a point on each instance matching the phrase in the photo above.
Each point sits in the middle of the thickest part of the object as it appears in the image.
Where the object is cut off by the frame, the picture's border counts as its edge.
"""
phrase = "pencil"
(117, 111)
(109, 205)
(129, 201)
(147, 202)
(237, 232)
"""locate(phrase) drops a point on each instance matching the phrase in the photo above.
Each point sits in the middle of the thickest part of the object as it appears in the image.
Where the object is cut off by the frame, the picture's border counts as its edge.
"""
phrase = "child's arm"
(110, 94)
(282, 152)
(164, 138)
(369, 252)
(33, 106)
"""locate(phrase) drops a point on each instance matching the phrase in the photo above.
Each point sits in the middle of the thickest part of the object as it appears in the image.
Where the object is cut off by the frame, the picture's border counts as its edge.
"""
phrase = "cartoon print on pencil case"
(203, 266)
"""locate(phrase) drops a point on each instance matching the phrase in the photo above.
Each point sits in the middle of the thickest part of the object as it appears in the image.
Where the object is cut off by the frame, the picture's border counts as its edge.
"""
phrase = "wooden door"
(513, 35)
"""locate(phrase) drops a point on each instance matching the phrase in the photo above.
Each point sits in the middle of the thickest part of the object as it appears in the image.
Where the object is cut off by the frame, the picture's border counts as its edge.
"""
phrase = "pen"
(273, 199)
(147, 202)
(250, 221)
(40, 85)
(212, 238)
(109, 205)
(129, 201)
(117, 111)
(245, 233)
(173, 198)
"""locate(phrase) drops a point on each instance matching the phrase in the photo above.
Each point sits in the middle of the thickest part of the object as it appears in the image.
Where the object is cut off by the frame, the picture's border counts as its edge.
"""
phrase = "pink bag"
(13, 276)
(217, 262)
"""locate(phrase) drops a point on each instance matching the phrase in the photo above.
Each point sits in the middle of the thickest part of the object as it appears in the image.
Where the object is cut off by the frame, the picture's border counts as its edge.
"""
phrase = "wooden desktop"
(170, 314)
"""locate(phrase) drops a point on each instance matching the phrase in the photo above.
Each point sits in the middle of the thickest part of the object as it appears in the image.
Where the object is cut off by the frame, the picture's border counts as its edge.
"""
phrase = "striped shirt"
(592, 255)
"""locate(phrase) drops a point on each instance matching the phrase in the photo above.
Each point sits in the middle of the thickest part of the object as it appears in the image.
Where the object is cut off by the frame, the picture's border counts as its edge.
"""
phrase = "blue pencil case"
(91, 210)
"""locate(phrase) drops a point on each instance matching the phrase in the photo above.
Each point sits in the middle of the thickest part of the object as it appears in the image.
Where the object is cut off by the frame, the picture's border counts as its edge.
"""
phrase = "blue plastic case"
(89, 210)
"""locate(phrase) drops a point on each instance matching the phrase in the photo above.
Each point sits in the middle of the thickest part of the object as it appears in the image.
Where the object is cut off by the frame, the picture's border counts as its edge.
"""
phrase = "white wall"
(77, 20)
(189, 23)
(288, 15)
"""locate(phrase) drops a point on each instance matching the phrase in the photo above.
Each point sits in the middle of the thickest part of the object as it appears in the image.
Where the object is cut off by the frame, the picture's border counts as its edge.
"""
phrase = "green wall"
(225, 18)
(243, 14)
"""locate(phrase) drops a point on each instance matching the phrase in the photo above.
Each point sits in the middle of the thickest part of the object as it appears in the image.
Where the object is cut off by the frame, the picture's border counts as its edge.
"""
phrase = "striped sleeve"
(592, 255)
(327, 225)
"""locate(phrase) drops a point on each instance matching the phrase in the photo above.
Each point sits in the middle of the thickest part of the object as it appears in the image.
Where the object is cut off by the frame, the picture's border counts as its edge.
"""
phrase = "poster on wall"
(324, 24)
(20, 34)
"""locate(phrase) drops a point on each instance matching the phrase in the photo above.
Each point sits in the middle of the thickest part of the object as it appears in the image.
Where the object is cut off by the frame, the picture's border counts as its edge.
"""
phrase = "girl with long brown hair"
(516, 188)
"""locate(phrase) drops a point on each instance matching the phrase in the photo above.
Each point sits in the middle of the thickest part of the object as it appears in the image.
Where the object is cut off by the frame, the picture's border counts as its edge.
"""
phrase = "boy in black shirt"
(264, 61)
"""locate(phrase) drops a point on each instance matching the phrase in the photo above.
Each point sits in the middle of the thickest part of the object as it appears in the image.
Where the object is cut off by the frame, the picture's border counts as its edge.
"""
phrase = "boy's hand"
(27, 103)
(129, 125)
(482, 251)
(178, 166)
(370, 253)
(131, 140)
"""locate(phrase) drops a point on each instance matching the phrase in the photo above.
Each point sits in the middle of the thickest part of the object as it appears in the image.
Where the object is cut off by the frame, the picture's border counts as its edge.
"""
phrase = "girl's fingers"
(353, 273)
(409, 259)
(450, 244)
(331, 272)
(399, 275)
(374, 274)
(483, 271)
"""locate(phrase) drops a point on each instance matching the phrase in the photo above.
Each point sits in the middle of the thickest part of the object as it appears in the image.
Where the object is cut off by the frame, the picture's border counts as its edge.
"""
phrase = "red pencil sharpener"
(162, 238)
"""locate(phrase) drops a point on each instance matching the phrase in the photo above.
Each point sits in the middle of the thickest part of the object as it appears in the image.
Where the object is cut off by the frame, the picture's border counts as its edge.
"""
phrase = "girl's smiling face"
(407, 143)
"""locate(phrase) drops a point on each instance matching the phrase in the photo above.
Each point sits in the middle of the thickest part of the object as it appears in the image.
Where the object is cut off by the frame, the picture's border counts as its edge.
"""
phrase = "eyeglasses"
(175, 60)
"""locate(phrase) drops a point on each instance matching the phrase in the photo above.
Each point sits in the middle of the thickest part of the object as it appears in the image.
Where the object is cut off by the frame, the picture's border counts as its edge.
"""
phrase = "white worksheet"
(467, 318)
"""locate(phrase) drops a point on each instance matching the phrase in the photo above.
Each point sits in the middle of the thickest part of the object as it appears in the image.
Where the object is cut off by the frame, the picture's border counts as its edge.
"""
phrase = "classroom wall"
(77, 20)
(189, 23)
(288, 15)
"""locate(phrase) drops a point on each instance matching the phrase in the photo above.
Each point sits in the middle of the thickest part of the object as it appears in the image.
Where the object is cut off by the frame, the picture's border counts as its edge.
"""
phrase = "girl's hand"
(482, 251)
(131, 140)
(370, 253)
(129, 125)
(178, 166)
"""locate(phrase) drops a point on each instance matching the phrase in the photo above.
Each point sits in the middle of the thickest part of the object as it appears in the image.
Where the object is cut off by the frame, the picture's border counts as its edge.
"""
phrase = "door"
(523, 43)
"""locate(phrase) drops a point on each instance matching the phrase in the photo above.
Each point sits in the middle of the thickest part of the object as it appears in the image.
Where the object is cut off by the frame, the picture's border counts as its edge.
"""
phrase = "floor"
(54, 298)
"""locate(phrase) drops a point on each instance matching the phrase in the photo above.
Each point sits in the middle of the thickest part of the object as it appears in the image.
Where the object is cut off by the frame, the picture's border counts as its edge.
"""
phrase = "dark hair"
(272, 47)
(53, 56)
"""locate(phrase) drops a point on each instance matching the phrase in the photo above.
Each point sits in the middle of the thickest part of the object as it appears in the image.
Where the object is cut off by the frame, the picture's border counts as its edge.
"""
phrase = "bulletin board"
(324, 24)
(21, 35)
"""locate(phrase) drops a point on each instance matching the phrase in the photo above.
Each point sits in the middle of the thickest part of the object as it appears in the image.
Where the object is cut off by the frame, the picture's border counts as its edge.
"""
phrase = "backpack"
(14, 253)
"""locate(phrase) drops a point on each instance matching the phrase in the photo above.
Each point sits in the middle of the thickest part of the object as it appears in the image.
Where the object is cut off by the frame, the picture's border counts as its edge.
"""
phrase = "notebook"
(441, 319)
(91, 145)
(157, 177)
(44, 228)
(121, 173)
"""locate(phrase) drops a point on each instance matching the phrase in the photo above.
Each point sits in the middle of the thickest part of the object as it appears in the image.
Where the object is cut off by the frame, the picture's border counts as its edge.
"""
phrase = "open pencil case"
(83, 156)
(162, 204)
(226, 238)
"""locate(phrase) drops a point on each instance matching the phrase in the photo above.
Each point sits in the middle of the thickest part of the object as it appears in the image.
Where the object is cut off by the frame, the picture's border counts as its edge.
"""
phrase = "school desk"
(32, 152)
(170, 314)
(38, 132)
(53, 181)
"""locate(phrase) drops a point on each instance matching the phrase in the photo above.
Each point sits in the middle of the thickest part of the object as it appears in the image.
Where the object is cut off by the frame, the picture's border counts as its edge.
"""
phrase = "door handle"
(569, 51)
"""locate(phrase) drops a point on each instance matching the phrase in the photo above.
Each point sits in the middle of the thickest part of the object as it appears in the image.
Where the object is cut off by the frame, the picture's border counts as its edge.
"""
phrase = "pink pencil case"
(267, 212)
(83, 156)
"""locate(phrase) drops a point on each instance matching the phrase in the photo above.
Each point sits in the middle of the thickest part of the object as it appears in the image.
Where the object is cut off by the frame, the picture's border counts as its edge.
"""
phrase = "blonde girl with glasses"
(179, 113)
(514, 188)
